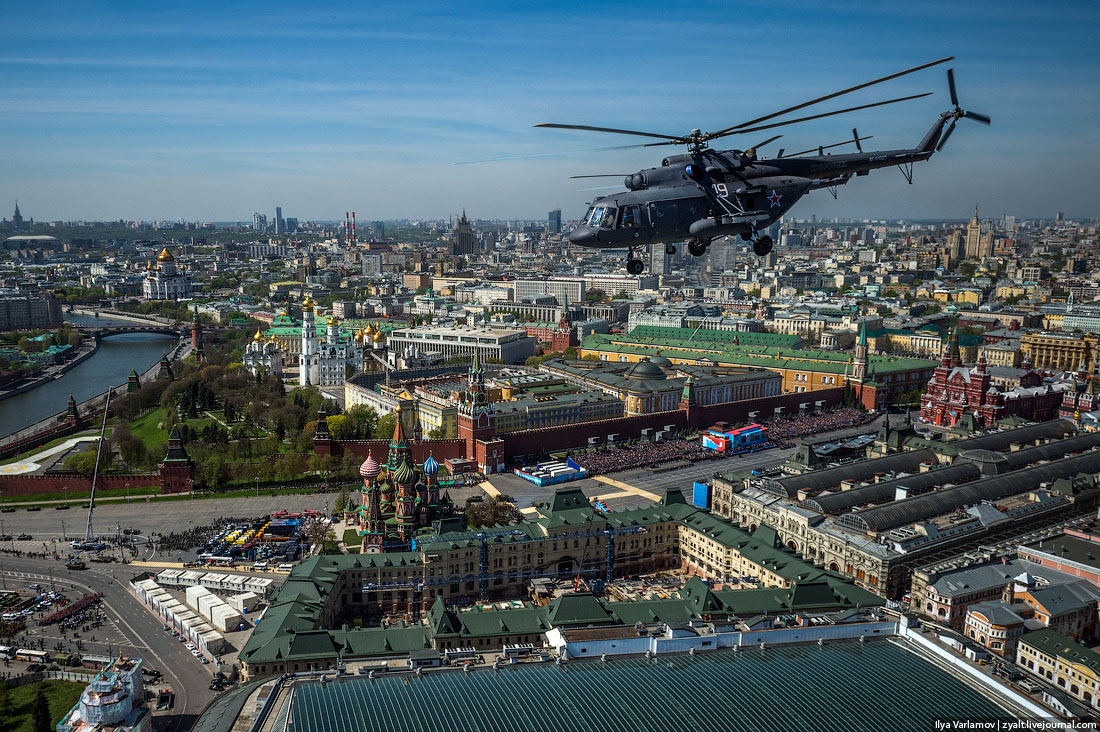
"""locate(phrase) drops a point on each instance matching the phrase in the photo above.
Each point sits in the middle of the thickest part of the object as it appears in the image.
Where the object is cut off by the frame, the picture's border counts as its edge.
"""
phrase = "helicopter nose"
(583, 235)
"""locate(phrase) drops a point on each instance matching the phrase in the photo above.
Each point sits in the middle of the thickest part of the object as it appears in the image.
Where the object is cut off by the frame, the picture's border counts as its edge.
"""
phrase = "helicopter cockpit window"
(602, 216)
(629, 217)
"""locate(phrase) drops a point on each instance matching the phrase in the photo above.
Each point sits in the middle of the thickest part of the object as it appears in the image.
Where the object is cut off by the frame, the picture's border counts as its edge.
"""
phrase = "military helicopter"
(705, 194)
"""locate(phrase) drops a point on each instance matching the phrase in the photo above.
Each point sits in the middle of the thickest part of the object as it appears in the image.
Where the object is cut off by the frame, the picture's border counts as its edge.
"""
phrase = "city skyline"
(166, 113)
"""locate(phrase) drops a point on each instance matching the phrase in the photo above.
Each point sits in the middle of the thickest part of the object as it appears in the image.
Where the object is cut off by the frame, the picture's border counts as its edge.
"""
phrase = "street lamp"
(127, 492)
(256, 482)
(66, 489)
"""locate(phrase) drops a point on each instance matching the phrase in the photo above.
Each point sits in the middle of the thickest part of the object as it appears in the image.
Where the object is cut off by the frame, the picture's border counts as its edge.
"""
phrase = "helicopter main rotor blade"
(603, 175)
(977, 117)
(814, 116)
(827, 97)
(951, 87)
(770, 140)
(826, 147)
(549, 154)
(609, 129)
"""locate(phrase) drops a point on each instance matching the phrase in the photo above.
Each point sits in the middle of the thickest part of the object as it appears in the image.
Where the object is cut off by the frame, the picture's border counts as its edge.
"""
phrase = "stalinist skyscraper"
(978, 246)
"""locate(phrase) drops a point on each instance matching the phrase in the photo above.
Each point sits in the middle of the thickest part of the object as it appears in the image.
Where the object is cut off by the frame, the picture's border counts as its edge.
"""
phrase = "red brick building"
(955, 390)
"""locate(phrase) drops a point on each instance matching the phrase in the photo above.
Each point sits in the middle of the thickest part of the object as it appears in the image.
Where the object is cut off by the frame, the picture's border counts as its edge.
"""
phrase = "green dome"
(404, 474)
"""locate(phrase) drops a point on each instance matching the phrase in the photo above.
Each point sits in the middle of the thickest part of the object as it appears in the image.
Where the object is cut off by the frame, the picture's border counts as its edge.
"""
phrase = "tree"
(438, 433)
(83, 463)
(491, 513)
(385, 427)
(40, 713)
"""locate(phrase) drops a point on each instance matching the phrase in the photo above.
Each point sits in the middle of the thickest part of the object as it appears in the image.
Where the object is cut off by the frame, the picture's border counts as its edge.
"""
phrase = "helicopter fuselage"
(713, 193)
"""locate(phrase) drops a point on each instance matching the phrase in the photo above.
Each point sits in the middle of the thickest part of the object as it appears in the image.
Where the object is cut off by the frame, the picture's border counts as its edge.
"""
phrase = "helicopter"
(705, 194)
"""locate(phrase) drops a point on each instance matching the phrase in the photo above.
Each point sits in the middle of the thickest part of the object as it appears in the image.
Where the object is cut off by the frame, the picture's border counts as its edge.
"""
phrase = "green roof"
(291, 627)
(1053, 644)
(710, 335)
(746, 355)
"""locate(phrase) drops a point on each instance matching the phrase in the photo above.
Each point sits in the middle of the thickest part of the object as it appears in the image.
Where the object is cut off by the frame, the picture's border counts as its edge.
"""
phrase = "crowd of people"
(192, 538)
(785, 430)
(643, 454)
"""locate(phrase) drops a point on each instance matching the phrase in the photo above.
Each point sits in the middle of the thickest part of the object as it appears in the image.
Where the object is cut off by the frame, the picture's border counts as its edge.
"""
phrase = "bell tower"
(859, 363)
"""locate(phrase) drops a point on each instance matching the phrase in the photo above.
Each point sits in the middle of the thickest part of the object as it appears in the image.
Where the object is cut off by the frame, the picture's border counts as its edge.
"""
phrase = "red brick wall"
(440, 449)
(528, 442)
(27, 485)
(738, 412)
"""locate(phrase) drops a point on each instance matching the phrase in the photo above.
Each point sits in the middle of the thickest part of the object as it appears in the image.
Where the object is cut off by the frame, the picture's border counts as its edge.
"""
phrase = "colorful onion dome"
(370, 467)
(404, 475)
(431, 467)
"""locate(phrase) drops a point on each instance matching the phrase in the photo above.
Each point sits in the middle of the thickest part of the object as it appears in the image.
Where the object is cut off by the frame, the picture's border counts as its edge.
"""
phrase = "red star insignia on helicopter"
(774, 198)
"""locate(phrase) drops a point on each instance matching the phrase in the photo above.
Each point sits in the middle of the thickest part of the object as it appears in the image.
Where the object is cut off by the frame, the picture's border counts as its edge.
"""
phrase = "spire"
(688, 395)
(862, 340)
(953, 346)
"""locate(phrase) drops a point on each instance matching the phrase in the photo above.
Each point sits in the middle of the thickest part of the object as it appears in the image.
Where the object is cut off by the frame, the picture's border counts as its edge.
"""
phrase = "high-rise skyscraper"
(464, 237)
(259, 221)
(280, 225)
(973, 236)
(554, 222)
(658, 259)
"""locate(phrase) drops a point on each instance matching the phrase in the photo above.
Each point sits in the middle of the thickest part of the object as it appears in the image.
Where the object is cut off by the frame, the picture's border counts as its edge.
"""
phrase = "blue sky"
(210, 111)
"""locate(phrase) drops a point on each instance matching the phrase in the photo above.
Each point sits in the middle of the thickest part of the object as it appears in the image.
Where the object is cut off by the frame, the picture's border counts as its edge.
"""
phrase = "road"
(636, 488)
(162, 517)
(139, 631)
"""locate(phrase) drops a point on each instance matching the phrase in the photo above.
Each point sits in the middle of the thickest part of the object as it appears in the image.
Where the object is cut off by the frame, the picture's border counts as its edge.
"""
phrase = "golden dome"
(359, 336)
(369, 330)
(307, 304)
(165, 256)
(284, 314)
(379, 338)
(259, 336)
(332, 320)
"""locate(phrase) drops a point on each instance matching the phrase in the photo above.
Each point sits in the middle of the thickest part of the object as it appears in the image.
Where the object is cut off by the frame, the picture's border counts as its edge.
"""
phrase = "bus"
(7, 651)
(27, 654)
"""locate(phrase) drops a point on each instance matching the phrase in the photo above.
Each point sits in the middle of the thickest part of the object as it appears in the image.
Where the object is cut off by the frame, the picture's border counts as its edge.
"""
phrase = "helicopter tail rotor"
(958, 112)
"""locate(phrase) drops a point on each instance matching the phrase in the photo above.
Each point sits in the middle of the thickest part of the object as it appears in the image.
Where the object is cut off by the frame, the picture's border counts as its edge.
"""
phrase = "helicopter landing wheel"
(762, 245)
(697, 247)
(635, 266)
(670, 249)
(745, 236)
